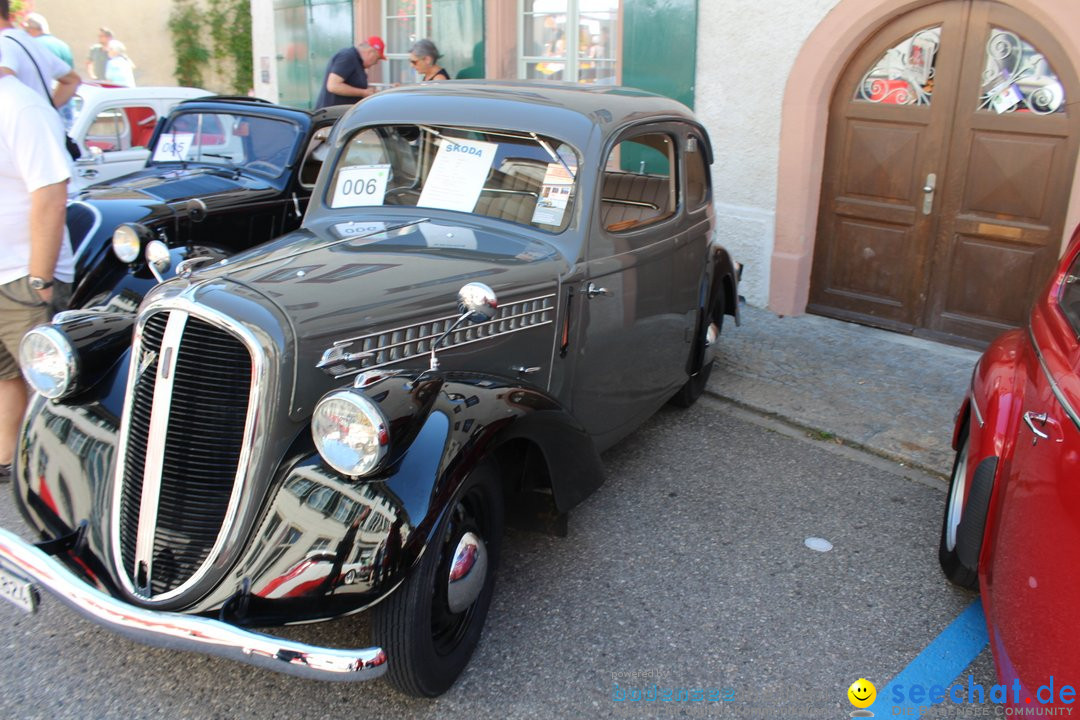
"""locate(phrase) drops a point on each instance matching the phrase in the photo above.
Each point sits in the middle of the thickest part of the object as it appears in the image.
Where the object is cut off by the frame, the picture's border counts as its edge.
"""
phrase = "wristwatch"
(37, 283)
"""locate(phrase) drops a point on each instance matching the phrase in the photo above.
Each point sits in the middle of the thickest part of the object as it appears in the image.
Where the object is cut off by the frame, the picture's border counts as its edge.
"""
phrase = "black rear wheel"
(694, 386)
(430, 626)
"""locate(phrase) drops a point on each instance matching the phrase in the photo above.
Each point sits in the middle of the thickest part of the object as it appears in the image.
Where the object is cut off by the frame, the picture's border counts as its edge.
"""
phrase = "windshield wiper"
(232, 163)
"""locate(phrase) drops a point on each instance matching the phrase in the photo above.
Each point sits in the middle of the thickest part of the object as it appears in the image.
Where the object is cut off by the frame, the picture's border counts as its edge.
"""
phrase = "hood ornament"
(147, 359)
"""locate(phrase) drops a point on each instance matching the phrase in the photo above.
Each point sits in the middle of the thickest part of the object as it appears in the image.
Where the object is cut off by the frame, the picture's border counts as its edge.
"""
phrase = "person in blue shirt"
(346, 79)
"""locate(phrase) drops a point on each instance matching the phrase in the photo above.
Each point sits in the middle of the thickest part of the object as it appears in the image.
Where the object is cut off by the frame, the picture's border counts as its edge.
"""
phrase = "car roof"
(95, 92)
(570, 111)
(249, 104)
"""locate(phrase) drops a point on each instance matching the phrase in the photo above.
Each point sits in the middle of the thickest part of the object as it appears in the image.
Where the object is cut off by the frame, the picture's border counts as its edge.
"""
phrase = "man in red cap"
(346, 76)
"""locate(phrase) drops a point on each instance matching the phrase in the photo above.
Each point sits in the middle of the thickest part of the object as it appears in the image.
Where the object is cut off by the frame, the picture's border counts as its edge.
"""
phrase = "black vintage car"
(494, 283)
(223, 174)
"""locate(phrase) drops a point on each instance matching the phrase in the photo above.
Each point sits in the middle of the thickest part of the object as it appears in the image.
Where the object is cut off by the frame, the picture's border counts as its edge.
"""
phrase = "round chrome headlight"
(350, 432)
(126, 244)
(157, 254)
(48, 361)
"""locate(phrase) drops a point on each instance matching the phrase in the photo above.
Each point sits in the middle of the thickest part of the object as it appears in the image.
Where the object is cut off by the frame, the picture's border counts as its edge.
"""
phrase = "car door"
(635, 308)
(115, 142)
(1033, 579)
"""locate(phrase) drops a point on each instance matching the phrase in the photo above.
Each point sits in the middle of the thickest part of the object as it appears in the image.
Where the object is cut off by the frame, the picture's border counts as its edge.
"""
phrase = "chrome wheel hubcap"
(467, 572)
(956, 500)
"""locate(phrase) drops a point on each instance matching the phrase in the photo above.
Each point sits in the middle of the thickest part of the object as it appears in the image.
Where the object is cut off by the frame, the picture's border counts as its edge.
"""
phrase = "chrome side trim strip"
(453, 344)
(161, 407)
(336, 357)
(975, 409)
(84, 241)
(174, 631)
(1069, 410)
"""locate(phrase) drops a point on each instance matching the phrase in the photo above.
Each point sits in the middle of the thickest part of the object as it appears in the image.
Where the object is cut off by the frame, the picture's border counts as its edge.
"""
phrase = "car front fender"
(352, 541)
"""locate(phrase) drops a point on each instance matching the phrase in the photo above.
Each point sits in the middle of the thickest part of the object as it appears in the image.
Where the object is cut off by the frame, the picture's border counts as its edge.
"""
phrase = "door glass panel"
(1070, 296)
(904, 75)
(1017, 78)
(109, 131)
(697, 174)
(142, 120)
(639, 183)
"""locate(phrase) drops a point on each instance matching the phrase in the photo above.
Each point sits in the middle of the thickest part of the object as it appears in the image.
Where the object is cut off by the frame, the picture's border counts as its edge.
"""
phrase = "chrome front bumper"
(186, 632)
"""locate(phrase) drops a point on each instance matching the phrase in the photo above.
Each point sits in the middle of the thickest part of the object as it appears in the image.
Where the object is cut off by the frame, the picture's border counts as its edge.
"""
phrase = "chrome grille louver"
(366, 352)
(182, 447)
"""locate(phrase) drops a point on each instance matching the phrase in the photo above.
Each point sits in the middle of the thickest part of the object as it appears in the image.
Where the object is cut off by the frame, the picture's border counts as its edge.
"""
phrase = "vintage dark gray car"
(494, 282)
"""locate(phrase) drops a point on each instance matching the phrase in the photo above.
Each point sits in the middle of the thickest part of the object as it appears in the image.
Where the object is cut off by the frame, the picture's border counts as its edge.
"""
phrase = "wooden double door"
(948, 169)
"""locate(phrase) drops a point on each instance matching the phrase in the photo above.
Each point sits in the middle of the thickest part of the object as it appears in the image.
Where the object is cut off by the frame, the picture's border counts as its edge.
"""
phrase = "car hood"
(170, 185)
(340, 281)
(348, 275)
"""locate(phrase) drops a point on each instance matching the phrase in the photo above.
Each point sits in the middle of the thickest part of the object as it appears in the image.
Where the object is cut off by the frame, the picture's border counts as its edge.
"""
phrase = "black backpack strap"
(48, 92)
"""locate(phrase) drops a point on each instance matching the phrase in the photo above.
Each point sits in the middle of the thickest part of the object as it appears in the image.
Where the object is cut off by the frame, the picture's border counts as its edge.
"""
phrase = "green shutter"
(660, 47)
(457, 28)
(307, 33)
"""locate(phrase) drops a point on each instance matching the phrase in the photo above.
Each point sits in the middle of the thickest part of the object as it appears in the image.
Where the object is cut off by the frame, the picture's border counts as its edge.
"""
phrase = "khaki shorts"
(21, 310)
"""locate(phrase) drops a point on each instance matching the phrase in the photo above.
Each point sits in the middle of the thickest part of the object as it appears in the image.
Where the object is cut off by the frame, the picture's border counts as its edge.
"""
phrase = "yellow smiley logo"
(862, 693)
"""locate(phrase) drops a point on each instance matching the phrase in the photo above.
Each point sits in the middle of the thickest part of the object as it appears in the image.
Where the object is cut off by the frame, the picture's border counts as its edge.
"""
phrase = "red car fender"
(997, 392)
(995, 398)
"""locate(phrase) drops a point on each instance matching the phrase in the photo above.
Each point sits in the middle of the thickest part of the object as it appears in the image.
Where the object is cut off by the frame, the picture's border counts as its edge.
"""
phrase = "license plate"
(18, 592)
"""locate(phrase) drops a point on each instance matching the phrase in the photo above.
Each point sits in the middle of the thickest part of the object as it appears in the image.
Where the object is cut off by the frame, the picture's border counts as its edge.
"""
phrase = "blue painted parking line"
(940, 662)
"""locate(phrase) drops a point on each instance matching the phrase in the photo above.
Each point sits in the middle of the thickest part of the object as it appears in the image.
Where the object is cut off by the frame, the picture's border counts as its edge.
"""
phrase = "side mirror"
(476, 303)
(97, 155)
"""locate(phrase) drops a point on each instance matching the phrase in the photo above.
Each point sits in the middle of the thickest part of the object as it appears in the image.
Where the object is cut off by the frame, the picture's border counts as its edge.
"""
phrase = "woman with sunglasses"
(423, 56)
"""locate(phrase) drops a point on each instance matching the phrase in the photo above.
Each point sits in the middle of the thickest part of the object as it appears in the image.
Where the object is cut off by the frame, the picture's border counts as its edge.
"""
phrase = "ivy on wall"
(218, 30)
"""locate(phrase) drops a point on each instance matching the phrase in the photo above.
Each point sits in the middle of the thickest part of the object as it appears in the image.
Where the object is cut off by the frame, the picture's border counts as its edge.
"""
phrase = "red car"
(1012, 516)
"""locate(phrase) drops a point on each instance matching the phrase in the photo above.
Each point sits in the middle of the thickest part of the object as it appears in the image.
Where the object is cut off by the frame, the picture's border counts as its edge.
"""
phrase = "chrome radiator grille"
(367, 352)
(192, 389)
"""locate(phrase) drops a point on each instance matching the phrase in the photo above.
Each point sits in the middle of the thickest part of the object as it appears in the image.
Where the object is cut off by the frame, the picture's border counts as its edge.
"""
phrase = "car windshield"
(522, 177)
(261, 145)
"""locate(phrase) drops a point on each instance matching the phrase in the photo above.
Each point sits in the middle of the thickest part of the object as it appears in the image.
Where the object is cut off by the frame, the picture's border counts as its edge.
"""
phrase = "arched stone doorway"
(830, 49)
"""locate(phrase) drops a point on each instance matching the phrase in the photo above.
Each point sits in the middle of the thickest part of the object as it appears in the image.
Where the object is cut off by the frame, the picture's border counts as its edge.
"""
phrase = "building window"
(455, 26)
(573, 40)
(405, 24)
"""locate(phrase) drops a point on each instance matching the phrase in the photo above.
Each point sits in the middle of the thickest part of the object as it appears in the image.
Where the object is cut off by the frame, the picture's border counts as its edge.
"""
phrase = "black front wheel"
(430, 626)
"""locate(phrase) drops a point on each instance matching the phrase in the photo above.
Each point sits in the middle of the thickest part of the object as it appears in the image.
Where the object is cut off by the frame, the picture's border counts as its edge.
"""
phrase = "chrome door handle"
(1029, 418)
(88, 173)
(592, 290)
(928, 193)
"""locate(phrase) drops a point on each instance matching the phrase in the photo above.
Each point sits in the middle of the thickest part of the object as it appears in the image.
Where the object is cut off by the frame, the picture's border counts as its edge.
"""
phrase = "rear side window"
(639, 182)
(697, 174)
(1070, 296)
